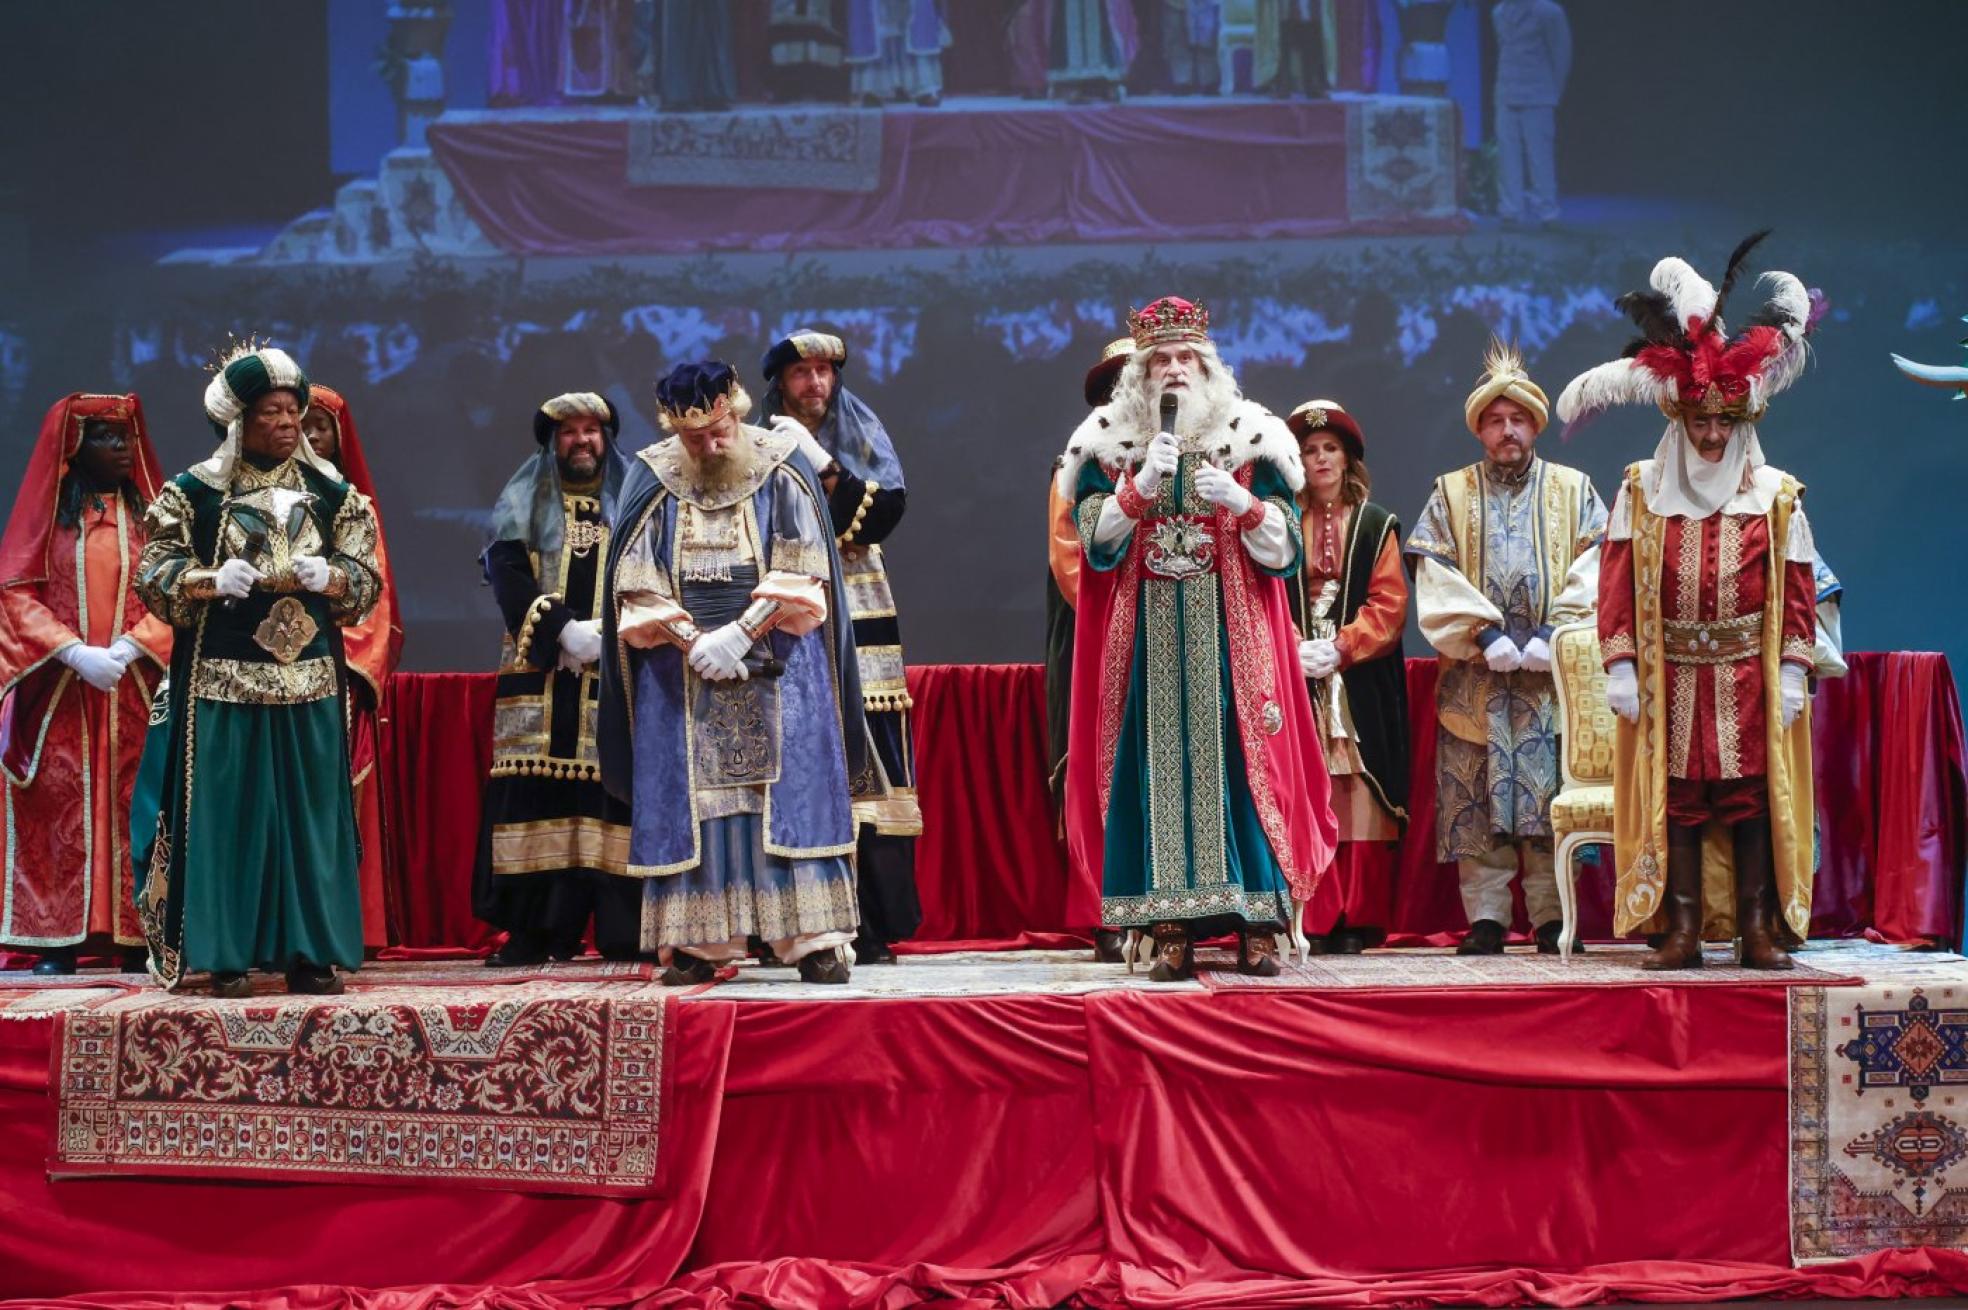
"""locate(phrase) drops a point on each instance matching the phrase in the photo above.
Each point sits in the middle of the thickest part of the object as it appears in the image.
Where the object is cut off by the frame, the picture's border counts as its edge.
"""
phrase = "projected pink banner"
(540, 183)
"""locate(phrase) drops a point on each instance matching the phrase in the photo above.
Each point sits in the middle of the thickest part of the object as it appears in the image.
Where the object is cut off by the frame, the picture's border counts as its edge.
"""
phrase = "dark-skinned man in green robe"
(243, 825)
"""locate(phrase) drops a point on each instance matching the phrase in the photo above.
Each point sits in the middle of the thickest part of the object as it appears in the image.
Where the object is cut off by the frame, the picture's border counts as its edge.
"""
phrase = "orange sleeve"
(154, 636)
(1063, 544)
(1377, 624)
(29, 632)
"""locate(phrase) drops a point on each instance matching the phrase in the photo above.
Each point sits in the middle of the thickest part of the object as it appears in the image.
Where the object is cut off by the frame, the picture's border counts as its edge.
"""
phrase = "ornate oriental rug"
(1601, 966)
(473, 973)
(46, 1002)
(555, 1087)
(1879, 1117)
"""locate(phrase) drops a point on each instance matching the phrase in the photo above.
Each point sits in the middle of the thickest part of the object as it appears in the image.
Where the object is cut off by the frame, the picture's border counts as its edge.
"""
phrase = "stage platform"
(1024, 1128)
(620, 182)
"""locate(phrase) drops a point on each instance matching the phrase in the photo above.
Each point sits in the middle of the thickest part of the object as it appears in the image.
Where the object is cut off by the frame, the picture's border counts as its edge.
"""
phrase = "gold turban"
(1504, 378)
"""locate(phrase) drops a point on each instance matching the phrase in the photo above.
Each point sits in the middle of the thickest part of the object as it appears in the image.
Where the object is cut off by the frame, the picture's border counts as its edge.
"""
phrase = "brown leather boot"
(1175, 960)
(1257, 953)
(1756, 898)
(1107, 946)
(1682, 947)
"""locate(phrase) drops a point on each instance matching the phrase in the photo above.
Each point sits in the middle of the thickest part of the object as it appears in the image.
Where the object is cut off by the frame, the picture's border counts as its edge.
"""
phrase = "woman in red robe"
(80, 657)
(373, 648)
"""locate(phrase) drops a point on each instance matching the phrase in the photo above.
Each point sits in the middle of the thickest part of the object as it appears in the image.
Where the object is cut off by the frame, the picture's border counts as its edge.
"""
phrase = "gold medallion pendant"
(286, 630)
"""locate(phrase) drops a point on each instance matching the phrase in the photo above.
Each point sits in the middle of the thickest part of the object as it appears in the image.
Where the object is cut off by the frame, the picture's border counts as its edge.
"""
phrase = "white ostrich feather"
(1689, 292)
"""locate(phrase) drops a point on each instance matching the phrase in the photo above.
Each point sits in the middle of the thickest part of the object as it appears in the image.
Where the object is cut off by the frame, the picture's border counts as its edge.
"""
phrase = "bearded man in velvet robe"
(1195, 781)
(731, 704)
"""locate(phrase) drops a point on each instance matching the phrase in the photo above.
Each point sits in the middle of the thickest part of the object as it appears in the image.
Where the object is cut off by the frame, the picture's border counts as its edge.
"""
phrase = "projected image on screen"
(451, 212)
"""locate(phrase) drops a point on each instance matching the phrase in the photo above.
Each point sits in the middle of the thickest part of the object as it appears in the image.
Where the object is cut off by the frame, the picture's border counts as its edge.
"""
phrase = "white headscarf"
(1681, 483)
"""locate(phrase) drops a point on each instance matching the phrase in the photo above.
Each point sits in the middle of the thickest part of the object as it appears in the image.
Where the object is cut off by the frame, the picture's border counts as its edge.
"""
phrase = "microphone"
(763, 665)
(1169, 406)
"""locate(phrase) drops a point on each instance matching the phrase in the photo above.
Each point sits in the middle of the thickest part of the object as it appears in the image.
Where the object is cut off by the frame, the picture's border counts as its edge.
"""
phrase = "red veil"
(374, 645)
(27, 640)
(372, 648)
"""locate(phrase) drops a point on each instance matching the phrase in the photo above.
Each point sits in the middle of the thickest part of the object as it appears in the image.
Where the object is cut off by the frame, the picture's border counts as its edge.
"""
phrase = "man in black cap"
(553, 846)
(862, 478)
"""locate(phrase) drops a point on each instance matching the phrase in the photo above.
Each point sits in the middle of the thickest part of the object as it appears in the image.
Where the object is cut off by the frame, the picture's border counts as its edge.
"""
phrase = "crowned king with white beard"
(1195, 781)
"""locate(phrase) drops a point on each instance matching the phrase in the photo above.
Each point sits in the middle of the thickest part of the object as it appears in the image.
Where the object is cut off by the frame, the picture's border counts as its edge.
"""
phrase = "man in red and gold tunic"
(80, 657)
(1707, 624)
(372, 647)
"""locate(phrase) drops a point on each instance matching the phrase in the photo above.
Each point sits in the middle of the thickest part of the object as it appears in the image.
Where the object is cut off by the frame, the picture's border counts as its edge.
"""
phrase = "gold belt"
(1720, 641)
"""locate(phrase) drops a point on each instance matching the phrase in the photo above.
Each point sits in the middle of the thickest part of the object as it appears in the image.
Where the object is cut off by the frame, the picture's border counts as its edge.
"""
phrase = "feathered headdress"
(1684, 359)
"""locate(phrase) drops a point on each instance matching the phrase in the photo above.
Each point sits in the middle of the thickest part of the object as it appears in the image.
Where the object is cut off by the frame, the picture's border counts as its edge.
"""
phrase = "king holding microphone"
(1195, 782)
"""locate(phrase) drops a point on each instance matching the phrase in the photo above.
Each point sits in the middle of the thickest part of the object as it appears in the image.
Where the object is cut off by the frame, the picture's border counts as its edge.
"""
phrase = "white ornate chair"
(1582, 812)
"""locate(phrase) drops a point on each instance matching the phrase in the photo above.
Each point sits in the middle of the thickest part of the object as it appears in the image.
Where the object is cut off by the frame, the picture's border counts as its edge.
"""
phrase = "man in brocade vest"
(1505, 549)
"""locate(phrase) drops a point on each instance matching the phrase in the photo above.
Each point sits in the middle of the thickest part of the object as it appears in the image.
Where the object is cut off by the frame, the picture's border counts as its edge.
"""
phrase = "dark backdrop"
(134, 129)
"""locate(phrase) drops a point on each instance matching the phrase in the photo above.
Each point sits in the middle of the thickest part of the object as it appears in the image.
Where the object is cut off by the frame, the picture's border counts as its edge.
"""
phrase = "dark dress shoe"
(871, 951)
(824, 967)
(1547, 938)
(521, 951)
(687, 970)
(1175, 956)
(231, 986)
(1485, 938)
(305, 979)
(1346, 941)
(1257, 954)
(134, 959)
(56, 962)
(1108, 946)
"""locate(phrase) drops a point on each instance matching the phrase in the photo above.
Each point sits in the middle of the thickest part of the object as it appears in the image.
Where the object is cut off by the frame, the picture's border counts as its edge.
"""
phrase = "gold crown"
(735, 401)
(1166, 321)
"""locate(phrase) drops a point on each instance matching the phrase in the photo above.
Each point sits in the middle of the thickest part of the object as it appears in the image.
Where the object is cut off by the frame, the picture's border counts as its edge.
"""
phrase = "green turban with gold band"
(246, 374)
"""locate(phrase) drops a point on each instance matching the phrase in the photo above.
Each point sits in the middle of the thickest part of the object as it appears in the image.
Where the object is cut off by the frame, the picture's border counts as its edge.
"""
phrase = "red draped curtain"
(991, 867)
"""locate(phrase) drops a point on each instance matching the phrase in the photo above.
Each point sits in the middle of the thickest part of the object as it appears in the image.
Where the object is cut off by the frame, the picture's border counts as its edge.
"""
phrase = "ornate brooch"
(286, 630)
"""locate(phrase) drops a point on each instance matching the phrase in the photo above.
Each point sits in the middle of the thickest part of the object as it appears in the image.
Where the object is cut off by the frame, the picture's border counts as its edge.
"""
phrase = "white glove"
(236, 579)
(1164, 456)
(1503, 656)
(311, 571)
(1537, 656)
(1623, 691)
(1318, 659)
(1791, 693)
(816, 454)
(1220, 488)
(93, 664)
(719, 655)
(125, 651)
(580, 641)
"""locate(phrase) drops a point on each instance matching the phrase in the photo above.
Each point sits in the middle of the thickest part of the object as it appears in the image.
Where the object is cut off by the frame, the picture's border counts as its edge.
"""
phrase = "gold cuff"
(759, 618)
(860, 511)
(198, 584)
(682, 631)
(338, 582)
(523, 642)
